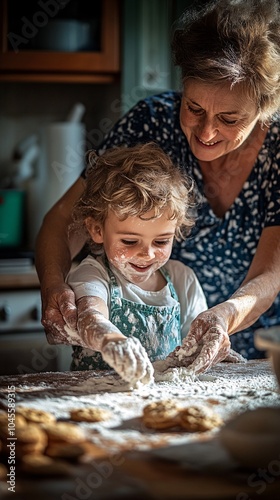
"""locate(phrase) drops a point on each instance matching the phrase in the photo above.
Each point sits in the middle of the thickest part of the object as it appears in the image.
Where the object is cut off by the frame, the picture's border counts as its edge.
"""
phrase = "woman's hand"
(129, 359)
(59, 313)
(206, 344)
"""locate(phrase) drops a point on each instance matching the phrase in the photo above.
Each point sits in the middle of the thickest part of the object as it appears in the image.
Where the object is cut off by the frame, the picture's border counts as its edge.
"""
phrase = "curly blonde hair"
(236, 41)
(131, 181)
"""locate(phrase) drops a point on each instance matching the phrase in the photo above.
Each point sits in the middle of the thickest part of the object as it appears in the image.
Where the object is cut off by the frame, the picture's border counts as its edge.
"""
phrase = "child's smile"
(137, 247)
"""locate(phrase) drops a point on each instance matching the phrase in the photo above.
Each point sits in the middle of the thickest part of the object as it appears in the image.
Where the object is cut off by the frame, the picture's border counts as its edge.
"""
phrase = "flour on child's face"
(137, 247)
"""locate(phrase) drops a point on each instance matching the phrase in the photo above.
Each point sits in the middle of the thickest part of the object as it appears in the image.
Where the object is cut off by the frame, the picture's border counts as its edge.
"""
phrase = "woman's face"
(215, 119)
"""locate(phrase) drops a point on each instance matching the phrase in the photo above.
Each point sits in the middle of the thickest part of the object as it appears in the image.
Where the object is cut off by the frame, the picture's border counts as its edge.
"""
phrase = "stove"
(23, 344)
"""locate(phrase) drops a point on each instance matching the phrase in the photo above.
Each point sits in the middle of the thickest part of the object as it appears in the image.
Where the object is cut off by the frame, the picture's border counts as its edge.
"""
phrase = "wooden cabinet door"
(21, 60)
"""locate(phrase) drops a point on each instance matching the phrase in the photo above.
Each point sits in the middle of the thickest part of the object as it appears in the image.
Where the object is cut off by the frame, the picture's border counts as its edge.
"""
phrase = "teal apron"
(158, 328)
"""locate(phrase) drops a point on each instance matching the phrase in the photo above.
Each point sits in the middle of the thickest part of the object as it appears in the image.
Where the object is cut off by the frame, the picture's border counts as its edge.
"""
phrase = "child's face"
(136, 247)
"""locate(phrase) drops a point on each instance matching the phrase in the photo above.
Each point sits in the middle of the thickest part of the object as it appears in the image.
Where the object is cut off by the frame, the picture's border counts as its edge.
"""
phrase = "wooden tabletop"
(149, 474)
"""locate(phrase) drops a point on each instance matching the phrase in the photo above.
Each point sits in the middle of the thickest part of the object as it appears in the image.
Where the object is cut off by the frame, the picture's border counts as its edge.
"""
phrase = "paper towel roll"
(63, 147)
(61, 160)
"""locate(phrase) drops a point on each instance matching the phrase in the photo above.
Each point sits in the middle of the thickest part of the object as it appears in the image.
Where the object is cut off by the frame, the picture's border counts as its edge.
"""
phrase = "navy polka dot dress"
(219, 250)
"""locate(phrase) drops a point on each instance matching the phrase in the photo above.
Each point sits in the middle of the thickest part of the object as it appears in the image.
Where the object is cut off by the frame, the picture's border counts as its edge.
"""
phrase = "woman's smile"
(210, 144)
(216, 119)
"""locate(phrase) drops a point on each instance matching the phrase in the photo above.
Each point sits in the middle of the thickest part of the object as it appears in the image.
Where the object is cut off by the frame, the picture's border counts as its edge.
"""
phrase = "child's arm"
(125, 354)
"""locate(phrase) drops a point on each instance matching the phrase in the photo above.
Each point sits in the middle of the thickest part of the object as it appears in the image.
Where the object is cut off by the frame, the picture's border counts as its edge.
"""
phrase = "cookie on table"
(30, 449)
(64, 432)
(34, 415)
(93, 414)
(30, 439)
(161, 414)
(30, 433)
(18, 420)
(199, 419)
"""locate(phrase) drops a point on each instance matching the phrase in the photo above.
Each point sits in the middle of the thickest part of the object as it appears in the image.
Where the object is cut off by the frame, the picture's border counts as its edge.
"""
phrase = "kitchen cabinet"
(34, 37)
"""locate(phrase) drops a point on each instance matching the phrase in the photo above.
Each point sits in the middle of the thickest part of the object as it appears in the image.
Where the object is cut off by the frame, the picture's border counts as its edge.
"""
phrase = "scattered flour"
(227, 388)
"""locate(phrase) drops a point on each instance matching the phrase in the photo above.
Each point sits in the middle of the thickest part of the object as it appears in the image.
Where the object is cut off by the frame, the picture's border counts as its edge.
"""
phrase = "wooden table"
(126, 460)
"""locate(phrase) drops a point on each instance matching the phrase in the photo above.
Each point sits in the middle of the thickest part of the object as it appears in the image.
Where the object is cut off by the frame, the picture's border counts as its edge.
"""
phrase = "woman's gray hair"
(236, 41)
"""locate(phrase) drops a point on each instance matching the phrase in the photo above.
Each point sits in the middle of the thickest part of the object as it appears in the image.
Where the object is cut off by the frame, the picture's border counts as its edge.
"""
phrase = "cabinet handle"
(35, 313)
(5, 313)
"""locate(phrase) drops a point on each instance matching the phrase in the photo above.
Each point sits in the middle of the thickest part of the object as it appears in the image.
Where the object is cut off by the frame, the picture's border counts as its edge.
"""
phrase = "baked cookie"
(199, 419)
(30, 433)
(18, 420)
(45, 466)
(64, 432)
(30, 439)
(30, 449)
(93, 414)
(161, 414)
(34, 415)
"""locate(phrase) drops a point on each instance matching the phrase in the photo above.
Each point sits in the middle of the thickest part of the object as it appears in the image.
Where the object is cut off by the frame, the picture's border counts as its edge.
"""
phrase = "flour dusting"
(229, 389)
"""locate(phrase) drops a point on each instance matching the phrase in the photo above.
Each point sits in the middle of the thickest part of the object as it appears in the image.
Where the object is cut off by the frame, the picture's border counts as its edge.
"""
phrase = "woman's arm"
(261, 285)
(53, 257)
(207, 342)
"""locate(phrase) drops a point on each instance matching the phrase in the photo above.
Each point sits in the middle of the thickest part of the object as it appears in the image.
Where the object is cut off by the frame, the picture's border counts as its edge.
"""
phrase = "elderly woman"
(223, 130)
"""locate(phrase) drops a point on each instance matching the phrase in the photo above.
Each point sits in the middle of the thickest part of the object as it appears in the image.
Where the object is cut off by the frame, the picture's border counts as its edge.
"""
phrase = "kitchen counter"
(125, 459)
(19, 279)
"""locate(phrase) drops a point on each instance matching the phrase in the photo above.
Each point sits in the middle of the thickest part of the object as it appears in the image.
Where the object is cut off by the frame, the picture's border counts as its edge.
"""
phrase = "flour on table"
(176, 375)
(228, 388)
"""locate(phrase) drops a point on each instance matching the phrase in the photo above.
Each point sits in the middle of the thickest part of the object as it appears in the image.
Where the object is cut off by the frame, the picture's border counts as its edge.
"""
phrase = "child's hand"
(129, 359)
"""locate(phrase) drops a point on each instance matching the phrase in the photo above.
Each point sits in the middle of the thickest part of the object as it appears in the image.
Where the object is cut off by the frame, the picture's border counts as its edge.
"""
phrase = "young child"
(134, 304)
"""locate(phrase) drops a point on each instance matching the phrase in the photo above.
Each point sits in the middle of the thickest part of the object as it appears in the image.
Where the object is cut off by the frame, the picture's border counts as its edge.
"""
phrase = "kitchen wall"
(26, 107)
(146, 69)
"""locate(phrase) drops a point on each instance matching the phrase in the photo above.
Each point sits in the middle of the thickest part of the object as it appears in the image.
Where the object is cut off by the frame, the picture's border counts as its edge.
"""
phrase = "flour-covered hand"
(129, 359)
(234, 357)
(206, 344)
(59, 311)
